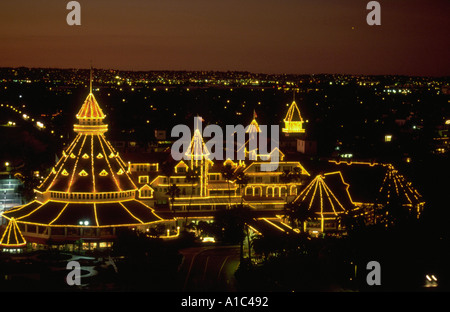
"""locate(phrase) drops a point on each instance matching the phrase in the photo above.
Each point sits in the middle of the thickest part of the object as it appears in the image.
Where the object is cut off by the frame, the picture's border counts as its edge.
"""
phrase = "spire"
(90, 109)
(293, 120)
(90, 81)
(90, 116)
(253, 127)
(197, 149)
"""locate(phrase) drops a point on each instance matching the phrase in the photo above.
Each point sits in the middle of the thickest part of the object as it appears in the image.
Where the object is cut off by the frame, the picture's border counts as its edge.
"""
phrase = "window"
(143, 179)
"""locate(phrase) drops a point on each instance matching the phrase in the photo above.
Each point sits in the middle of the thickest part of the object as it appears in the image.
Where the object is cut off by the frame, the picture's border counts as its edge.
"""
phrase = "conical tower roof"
(293, 113)
(396, 187)
(90, 163)
(253, 127)
(89, 186)
(293, 120)
(325, 200)
(90, 109)
(12, 237)
(197, 149)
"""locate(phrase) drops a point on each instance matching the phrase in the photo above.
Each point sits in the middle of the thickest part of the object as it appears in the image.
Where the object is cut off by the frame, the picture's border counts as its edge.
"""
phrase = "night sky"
(286, 36)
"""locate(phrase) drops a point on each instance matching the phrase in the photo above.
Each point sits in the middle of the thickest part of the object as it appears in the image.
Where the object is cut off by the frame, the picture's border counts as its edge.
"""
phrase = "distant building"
(307, 146)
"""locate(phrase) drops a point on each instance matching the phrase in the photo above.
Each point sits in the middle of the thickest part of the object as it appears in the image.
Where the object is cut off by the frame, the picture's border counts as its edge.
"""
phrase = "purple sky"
(283, 36)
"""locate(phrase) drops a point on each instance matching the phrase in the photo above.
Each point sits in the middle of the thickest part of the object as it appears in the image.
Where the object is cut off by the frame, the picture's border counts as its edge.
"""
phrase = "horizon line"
(222, 71)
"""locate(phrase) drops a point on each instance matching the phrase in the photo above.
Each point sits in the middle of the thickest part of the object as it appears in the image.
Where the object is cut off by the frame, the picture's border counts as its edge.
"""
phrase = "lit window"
(83, 173)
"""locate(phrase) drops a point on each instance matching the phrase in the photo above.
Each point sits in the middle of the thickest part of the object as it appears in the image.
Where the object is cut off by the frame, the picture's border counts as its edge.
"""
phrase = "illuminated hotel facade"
(329, 191)
(88, 196)
(91, 192)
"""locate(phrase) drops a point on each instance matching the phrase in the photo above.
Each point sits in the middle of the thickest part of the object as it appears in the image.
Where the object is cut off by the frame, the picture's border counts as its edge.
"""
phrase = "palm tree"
(228, 174)
(241, 180)
(289, 176)
(173, 191)
(192, 176)
(234, 223)
(286, 177)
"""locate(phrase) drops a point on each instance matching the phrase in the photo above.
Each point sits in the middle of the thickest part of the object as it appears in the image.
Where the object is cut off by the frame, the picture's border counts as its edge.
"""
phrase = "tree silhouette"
(286, 177)
(241, 180)
(233, 223)
(228, 175)
(173, 191)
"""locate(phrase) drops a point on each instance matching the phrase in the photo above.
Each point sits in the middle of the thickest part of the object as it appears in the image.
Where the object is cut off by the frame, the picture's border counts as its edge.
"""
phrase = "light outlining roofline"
(59, 214)
(120, 161)
(126, 209)
(299, 165)
(12, 226)
(92, 164)
(88, 226)
(65, 157)
(347, 185)
(318, 182)
(293, 126)
(109, 165)
(76, 163)
(90, 110)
